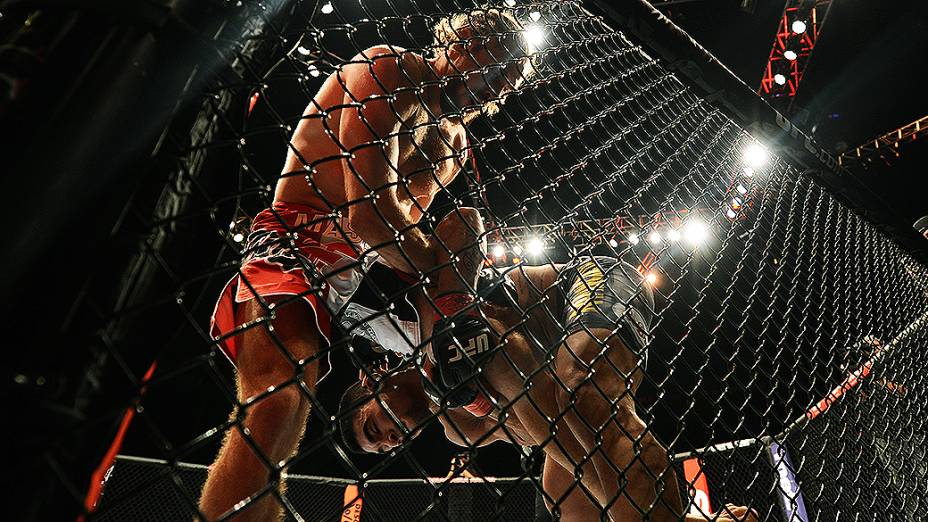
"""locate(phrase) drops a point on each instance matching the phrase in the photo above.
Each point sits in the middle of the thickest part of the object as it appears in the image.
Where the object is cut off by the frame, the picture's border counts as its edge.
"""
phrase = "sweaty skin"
(378, 131)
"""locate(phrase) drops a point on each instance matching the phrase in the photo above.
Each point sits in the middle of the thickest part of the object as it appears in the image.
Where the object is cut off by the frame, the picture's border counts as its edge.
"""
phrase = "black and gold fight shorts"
(603, 292)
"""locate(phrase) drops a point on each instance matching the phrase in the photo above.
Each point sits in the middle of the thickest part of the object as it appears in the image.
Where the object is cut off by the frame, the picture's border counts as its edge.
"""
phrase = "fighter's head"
(483, 56)
(368, 408)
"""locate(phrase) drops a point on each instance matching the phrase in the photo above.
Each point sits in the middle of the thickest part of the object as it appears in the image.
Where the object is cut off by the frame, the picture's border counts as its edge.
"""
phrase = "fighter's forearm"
(386, 227)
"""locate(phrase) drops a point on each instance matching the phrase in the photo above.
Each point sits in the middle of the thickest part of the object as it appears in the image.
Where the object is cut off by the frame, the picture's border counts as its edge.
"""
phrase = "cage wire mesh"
(738, 294)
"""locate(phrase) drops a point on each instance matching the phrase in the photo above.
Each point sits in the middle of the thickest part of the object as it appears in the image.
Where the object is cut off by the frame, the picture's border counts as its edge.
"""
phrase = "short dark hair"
(352, 400)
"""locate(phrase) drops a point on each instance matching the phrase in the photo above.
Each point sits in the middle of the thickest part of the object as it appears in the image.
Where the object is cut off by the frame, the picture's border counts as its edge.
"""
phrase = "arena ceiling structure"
(769, 305)
(861, 83)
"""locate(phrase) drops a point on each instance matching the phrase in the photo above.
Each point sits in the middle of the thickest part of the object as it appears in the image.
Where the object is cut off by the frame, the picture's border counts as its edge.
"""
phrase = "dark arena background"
(769, 217)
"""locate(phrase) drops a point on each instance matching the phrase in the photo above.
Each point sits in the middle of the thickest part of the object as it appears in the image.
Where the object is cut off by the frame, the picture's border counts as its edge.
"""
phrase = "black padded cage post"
(783, 369)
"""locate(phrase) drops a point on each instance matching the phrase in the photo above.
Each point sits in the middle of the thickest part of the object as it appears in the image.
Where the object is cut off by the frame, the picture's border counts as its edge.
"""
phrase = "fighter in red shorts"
(382, 136)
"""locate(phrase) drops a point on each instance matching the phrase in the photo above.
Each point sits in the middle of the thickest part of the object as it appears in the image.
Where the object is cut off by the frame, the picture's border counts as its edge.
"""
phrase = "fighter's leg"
(564, 497)
(274, 420)
(596, 373)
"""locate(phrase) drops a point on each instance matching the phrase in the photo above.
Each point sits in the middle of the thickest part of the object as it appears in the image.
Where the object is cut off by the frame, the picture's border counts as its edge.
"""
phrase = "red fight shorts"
(292, 250)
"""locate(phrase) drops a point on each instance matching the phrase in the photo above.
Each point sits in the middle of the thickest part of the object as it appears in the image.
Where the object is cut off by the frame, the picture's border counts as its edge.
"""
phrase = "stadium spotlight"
(613, 243)
(304, 51)
(651, 278)
(790, 55)
(779, 79)
(510, 3)
(327, 8)
(655, 237)
(498, 251)
(534, 36)
(535, 16)
(730, 213)
(696, 232)
(534, 246)
(799, 27)
(742, 190)
(314, 71)
(755, 155)
(673, 235)
(238, 237)
(633, 239)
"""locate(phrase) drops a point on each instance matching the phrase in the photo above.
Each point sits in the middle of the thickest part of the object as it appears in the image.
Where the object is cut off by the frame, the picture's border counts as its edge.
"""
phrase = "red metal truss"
(813, 14)
(887, 146)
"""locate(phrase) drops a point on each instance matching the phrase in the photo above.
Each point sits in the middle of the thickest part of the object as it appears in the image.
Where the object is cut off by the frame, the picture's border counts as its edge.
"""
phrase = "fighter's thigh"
(597, 354)
(275, 340)
(564, 491)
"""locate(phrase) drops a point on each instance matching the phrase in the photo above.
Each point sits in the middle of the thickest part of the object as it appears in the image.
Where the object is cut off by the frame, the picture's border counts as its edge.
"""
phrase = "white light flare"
(499, 251)
(327, 8)
(779, 79)
(696, 232)
(755, 155)
(790, 55)
(798, 27)
(534, 246)
(534, 36)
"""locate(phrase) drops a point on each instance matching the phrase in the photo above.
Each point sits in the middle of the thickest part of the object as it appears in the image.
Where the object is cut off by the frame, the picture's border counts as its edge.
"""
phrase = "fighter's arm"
(465, 430)
(378, 101)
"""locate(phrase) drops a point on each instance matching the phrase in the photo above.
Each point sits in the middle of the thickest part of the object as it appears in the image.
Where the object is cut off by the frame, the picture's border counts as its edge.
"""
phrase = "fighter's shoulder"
(392, 65)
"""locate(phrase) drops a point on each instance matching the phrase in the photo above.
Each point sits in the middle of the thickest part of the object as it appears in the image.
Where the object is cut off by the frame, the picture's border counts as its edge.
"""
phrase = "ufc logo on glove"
(475, 346)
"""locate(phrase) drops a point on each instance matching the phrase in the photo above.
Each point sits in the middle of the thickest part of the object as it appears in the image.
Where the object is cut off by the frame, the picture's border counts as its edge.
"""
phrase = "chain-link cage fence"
(391, 230)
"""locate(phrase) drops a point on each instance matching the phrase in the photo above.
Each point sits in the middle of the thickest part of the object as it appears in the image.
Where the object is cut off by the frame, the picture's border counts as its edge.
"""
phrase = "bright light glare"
(696, 232)
(238, 237)
(655, 237)
(313, 71)
(755, 155)
(510, 3)
(651, 278)
(517, 250)
(633, 239)
(673, 235)
(790, 55)
(534, 246)
(327, 8)
(730, 213)
(498, 251)
(799, 27)
(779, 79)
(304, 51)
(535, 16)
(742, 190)
(534, 36)
(613, 243)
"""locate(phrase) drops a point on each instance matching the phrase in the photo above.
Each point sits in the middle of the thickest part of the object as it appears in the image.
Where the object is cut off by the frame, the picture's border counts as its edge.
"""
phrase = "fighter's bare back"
(429, 147)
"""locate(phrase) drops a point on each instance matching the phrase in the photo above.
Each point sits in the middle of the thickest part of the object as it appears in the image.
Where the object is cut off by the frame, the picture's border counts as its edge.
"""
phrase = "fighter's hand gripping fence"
(350, 163)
